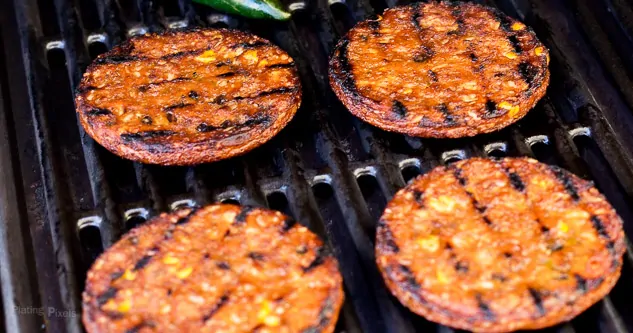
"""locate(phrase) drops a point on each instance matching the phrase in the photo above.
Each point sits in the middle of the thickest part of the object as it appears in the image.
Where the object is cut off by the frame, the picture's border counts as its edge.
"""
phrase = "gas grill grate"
(64, 199)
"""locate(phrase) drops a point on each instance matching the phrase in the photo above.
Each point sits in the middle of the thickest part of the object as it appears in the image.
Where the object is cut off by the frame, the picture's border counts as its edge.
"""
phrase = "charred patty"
(440, 70)
(222, 268)
(188, 97)
(497, 246)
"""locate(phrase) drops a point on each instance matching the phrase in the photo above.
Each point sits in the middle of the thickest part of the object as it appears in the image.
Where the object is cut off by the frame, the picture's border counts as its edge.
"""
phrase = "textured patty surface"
(440, 70)
(501, 245)
(188, 97)
(222, 268)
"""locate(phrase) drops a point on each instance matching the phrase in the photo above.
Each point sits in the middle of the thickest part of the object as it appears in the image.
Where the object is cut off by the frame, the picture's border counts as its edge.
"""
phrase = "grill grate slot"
(327, 169)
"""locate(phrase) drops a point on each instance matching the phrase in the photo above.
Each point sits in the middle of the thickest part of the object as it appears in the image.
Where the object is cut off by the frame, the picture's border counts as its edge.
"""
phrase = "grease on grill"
(173, 91)
(443, 70)
(496, 244)
(168, 284)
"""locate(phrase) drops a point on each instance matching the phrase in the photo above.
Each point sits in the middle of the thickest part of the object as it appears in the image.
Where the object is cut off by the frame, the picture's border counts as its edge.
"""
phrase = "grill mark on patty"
(457, 173)
(117, 59)
(216, 307)
(564, 179)
(185, 219)
(228, 74)
(528, 73)
(253, 45)
(257, 120)
(538, 301)
(424, 54)
(399, 109)
(418, 196)
(458, 16)
(491, 110)
(432, 75)
(107, 295)
(516, 181)
(602, 232)
(243, 214)
(288, 224)
(415, 17)
(319, 259)
(516, 44)
(448, 117)
(256, 256)
(98, 112)
(281, 90)
(179, 105)
(280, 66)
(390, 242)
(409, 277)
(223, 265)
(581, 283)
(347, 77)
(484, 308)
(146, 87)
(137, 328)
(140, 136)
(324, 317)
(84, 89)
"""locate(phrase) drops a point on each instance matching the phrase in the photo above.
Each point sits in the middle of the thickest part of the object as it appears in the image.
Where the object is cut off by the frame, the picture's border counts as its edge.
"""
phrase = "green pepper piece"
(257, 9)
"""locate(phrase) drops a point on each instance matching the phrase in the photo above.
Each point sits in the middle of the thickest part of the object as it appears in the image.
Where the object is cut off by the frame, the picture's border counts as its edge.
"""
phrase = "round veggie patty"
(188, 97)
(439, 69)
(499, 245)
(222, 268)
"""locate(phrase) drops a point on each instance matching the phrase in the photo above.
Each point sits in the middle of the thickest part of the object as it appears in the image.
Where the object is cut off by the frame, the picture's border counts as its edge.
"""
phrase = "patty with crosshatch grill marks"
(221, 268)
(499, 245)
(440, 70)
(188, 97)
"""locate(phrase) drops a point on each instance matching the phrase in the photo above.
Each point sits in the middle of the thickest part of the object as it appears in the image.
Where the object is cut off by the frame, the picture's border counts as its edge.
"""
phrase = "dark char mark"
(241, 217)
(142, 262)
(581, 284)
(84, 89)
(409, 278)
(516, 181)
(347, 78)
(473, 57)
(106, 296)
(506, 23)
(262, 119)
(432, 75)
(491, 109)
(146, 135)
(256, 256)
(216, 307)
(146, 87)
(288, 65)
(391, 243)
(457, 172)
(457, 14)
(415, 18)
(538, 301)
(282, 90)
(528, 72)
(288, 223)
(250, 45)
(98, 112)
(227, 74)
(599, 226)
(223, 265)
(186, 218)
(418, 196)
(564, 179)
(318, 260)
(499, 277)
(516, 44)
(399, 109)
(461, 267)
(374, 25)
(176, 106)
(137, 327)
(324, 318)
(115, 59)
(485, 309)
(425, 53)
(116, 275)
(448, 117)
(193, 94)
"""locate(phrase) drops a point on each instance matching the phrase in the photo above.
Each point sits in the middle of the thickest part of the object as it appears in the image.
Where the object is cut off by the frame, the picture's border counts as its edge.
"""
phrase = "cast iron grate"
(64, 198)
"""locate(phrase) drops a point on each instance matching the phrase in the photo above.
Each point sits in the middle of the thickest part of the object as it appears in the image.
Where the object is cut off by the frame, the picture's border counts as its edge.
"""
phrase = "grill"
(63, 198)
